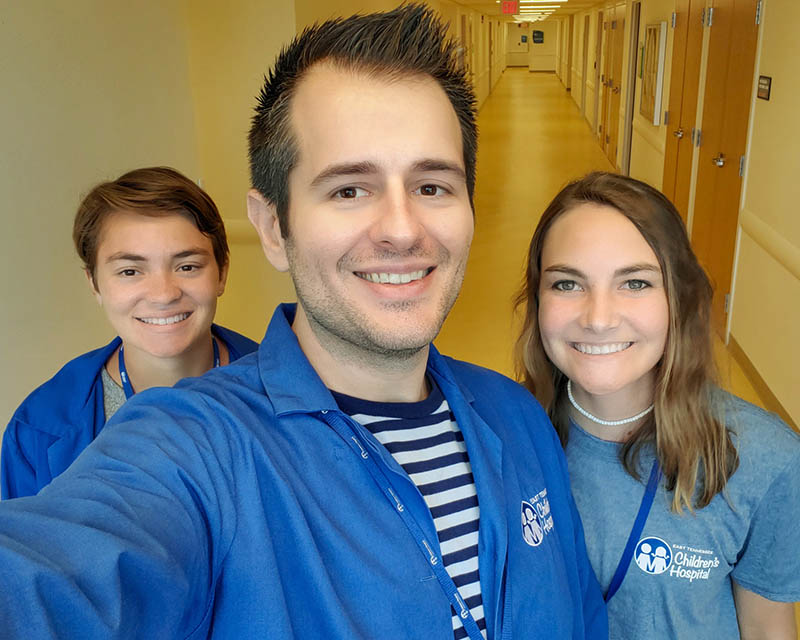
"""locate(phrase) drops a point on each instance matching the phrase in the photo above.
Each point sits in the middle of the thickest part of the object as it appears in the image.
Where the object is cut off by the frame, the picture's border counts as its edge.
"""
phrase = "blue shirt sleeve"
(769, 564)
(139, 539)
(17, 470)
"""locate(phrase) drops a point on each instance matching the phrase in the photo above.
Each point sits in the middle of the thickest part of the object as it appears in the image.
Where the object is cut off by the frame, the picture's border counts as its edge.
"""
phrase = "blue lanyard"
(346, 431)
(636, 531)
(126, 381)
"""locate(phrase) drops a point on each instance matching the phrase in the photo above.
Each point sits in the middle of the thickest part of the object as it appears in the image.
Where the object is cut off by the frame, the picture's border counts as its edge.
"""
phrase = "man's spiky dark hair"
(407, 41)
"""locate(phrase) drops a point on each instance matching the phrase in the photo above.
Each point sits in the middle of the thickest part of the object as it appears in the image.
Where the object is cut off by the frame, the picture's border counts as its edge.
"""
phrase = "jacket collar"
(292, 384)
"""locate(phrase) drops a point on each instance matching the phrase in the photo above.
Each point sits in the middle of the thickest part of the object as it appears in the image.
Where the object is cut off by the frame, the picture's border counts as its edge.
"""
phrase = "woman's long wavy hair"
(686, 429)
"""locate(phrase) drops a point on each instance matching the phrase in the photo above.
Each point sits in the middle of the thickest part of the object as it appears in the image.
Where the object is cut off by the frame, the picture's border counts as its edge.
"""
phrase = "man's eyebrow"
(439, 165)
(366, 168)
(344, 169)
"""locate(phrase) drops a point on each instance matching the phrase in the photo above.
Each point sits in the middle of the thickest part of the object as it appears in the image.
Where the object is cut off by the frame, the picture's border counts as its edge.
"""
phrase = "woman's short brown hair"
(150, 191)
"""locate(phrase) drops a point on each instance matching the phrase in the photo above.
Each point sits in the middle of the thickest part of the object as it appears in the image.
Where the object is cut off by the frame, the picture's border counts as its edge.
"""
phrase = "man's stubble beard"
(348, 332)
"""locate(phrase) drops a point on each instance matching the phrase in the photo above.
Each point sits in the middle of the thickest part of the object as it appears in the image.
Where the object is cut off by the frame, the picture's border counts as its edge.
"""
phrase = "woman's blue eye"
(565, 285)
(637, 285)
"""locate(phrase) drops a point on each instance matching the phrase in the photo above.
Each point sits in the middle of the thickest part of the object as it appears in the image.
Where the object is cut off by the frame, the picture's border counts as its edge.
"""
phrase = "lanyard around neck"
(126, 381)
(636, 531)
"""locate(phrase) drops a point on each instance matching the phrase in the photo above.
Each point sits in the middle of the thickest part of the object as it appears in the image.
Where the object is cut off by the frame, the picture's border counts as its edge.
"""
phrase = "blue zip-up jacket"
(242, 504)
(61, 417)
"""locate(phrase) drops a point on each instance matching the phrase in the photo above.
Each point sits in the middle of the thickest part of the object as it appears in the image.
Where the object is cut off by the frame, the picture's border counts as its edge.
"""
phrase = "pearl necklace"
(606, 423)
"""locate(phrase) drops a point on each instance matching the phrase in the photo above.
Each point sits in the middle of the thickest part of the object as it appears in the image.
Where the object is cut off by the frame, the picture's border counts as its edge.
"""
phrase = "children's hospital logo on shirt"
(654, 556)
(537, 521)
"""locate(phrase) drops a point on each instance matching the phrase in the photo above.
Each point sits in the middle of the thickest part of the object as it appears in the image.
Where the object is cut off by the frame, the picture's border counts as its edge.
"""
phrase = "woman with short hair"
(155, 254)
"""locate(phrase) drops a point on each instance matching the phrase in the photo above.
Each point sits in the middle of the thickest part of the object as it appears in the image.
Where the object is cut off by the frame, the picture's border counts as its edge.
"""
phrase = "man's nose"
(397, 223)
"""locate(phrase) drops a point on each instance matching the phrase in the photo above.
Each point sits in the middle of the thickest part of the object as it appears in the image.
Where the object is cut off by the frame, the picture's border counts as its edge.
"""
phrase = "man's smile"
(392, 277)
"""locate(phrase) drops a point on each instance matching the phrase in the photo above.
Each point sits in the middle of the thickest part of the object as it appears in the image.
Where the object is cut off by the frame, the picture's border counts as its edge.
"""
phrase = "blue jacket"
(242, 505)
(60, 418)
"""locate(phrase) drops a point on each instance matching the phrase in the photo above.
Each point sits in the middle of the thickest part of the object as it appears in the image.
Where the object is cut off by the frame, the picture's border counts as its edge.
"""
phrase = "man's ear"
(264, 217)
(93, 287)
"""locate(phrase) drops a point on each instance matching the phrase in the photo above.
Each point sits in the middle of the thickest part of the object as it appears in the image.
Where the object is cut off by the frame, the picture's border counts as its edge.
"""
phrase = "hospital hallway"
(532, 141)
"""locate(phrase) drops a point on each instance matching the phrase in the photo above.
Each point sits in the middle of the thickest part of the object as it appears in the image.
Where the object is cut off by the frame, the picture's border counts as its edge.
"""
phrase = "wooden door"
(726, 111)
(584, 64)
(682, 109)
(598, 76)
(617, 31)
(613, 29)
(606, 77)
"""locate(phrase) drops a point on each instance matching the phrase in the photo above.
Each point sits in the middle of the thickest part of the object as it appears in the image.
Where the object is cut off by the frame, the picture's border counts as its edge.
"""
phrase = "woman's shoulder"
(238, 344)
(57, 401)
(761, 437)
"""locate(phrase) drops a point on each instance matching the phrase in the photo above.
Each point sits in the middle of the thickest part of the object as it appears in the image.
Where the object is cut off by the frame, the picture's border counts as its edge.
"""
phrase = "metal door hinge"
(608, 139)
(666, 117)
(692, 136)
(741, 166)
(727, 302)
(703, 17)
(698, 138)
(674, 19)
(710, 16)
(758, 12)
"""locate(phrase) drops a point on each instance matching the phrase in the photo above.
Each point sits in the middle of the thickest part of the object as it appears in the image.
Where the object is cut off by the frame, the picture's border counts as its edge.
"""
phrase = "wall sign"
(764, 87)
(511, 7)
(538, 37)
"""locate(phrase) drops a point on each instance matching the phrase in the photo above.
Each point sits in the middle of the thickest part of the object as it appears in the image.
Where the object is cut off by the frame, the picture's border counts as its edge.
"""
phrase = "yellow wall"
(91, 88)
(766, 294)
(231, 46)
(307, 12)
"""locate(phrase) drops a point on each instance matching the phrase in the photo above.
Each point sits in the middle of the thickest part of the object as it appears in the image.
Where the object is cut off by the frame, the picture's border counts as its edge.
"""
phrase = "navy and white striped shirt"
(425, 440)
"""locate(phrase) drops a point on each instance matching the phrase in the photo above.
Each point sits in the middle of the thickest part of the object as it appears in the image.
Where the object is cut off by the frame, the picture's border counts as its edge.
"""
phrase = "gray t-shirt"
(113, 395)
(678, 584)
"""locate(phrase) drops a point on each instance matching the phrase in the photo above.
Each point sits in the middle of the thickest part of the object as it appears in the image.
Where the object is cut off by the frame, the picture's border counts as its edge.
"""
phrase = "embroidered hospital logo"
(653, 555)
(537, 521)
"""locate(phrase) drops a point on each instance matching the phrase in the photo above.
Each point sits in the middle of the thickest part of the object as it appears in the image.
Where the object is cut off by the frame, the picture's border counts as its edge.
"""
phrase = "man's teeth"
(393, 278)
(170, 320)
(601, 349)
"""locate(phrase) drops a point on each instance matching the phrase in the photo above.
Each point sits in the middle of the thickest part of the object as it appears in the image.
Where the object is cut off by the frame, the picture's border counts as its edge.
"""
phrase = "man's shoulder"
(502, 402)
(487, 383)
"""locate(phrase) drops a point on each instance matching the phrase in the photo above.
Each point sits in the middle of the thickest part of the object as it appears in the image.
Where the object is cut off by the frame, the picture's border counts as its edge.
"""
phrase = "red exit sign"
(510, 6)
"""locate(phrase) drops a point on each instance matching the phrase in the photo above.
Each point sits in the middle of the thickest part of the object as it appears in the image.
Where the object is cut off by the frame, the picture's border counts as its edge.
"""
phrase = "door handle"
(678, 133)
(719, 160)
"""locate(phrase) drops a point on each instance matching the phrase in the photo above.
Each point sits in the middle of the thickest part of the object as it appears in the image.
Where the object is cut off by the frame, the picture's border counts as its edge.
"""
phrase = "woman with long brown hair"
(689, 495)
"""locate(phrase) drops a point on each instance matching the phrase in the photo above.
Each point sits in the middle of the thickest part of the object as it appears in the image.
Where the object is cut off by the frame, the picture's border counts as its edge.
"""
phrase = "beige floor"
(532, 141)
